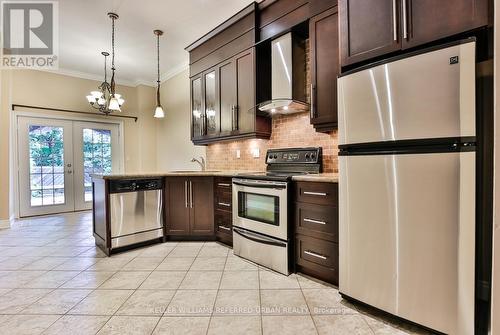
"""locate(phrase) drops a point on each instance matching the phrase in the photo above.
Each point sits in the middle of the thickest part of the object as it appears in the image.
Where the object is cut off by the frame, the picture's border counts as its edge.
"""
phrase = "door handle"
(314, 221)
(258, 238)
(224, 228)
(394, 20)
(232, 117)
(190, 194)
(235, 117)
(186, 193)
(224, 204)
(224, 184)
(313, 110)
(70, 171)
(320, 194)
(405, 25)
(310, 253)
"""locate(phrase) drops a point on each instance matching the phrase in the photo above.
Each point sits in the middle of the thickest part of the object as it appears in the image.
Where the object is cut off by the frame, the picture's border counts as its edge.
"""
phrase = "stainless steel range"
(261, 218)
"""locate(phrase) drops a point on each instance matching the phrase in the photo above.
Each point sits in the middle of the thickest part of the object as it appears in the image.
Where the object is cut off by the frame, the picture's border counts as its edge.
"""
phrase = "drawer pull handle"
(310, 253)
(225, 228)
(224, 204)
(314, 221)
(321, 194)
(224, 184)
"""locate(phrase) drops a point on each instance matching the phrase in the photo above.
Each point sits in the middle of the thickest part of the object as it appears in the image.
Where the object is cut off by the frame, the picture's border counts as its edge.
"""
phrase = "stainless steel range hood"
(288, 76)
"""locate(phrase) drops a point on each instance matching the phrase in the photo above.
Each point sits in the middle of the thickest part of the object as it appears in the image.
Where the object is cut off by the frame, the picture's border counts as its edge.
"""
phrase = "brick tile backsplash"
(288, 131)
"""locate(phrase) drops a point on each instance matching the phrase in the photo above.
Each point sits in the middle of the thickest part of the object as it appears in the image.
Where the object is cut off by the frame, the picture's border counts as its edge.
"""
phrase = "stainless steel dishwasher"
(136, 207)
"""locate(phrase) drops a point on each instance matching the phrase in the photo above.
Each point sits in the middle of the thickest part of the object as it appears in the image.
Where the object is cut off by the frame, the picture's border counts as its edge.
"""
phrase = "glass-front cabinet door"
(211, 103)
(197, 113)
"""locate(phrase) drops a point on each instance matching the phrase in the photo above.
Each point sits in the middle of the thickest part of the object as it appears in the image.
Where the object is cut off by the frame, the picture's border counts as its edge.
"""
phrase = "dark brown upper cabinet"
(223, 85)
(368, 28)
(189, 206)
(324, 55)
(372, 28)
(429, 20)
(237, 94)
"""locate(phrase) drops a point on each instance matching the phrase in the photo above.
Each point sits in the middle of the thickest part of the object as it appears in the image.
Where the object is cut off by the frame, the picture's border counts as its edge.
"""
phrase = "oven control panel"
(293, 156)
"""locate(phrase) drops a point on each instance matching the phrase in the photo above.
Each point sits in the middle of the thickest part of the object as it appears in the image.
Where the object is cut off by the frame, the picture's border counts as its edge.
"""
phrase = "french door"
(56, 159)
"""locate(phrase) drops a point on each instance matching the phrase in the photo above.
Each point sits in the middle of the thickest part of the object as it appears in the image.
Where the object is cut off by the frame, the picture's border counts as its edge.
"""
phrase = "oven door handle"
(260, 185)
(258, 238)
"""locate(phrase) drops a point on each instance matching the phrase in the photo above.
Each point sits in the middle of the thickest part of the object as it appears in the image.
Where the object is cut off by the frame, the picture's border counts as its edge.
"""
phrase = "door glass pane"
(96, 156)
(259, 207)
(210, 103)
(46, 153)
(196, 105)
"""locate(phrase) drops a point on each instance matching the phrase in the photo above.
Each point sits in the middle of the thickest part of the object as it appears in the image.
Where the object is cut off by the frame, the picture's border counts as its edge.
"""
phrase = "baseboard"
(4, 224)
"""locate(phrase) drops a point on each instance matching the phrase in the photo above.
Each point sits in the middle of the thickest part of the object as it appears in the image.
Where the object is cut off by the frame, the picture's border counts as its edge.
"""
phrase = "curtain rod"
(71, 111)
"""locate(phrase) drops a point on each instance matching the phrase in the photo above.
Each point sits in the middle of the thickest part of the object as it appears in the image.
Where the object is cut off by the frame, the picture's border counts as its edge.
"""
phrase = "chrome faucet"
(200, 162)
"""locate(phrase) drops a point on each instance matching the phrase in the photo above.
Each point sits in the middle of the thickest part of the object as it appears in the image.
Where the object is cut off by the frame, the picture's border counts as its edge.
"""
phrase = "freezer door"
(430, 95)
(407, 236)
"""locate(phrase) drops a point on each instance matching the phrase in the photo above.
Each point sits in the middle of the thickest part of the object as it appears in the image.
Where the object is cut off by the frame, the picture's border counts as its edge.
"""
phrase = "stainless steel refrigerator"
(407, 186)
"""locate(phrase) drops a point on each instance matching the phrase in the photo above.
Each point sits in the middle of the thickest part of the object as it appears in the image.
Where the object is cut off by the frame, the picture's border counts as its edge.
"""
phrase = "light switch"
(238, 153)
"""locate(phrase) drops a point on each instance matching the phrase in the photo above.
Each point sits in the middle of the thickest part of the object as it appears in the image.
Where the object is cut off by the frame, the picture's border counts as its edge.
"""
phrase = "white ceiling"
(85, 31)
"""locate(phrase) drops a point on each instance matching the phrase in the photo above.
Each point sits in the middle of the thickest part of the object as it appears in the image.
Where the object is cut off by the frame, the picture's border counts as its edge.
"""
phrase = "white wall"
(495, 312)
(174, 146)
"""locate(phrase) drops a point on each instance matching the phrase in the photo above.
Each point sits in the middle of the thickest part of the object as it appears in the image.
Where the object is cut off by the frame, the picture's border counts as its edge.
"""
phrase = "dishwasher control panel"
(135, 185)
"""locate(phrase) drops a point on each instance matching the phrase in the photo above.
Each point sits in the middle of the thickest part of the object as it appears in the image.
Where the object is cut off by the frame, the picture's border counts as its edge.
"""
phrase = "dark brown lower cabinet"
(188, 206)
(223, 210)
(317, 258)
(316, 230)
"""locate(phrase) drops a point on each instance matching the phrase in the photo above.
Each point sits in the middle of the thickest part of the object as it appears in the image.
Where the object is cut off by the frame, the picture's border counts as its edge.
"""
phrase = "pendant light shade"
(114, 105)
(159, 113)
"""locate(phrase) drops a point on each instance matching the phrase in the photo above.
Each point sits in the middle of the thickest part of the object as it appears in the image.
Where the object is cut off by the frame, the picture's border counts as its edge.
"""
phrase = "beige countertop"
(320, 177)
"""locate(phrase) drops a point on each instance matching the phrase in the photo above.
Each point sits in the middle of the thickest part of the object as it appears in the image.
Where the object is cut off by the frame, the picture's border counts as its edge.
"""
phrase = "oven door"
(261, 206)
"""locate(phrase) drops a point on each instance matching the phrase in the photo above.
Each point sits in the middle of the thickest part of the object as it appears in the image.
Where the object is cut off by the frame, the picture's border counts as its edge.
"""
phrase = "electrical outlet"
(238, 153)
(256, 153)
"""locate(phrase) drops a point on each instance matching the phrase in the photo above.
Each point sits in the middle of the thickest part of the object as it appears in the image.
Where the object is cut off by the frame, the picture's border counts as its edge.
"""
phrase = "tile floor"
(53, 280)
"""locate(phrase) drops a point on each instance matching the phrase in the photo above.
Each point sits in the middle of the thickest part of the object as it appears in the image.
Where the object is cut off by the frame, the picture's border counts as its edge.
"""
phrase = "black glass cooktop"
(272, 175)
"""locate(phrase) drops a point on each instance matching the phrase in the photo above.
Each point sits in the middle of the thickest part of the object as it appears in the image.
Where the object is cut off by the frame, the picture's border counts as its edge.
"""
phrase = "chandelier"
(159, 113)
(106, 100)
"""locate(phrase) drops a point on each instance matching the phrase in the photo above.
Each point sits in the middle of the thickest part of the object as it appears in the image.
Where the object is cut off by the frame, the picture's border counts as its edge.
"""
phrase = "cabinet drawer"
(317, 221)
(223, 221)
(223, 200)
(317, 257)
(317, 193)
(223, 183)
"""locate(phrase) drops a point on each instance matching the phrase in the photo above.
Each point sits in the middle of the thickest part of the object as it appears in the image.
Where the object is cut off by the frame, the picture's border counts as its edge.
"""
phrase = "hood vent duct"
(288, 76)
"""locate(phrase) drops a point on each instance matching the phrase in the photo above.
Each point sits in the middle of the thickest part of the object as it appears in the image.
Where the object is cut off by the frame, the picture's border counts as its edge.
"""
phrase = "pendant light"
(106, 100)
(114, 103)
(159, 113)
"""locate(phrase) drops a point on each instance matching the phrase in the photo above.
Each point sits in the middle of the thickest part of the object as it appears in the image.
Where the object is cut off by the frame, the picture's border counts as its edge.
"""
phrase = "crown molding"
(95, 77)
(174, 71)
(92, 76)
